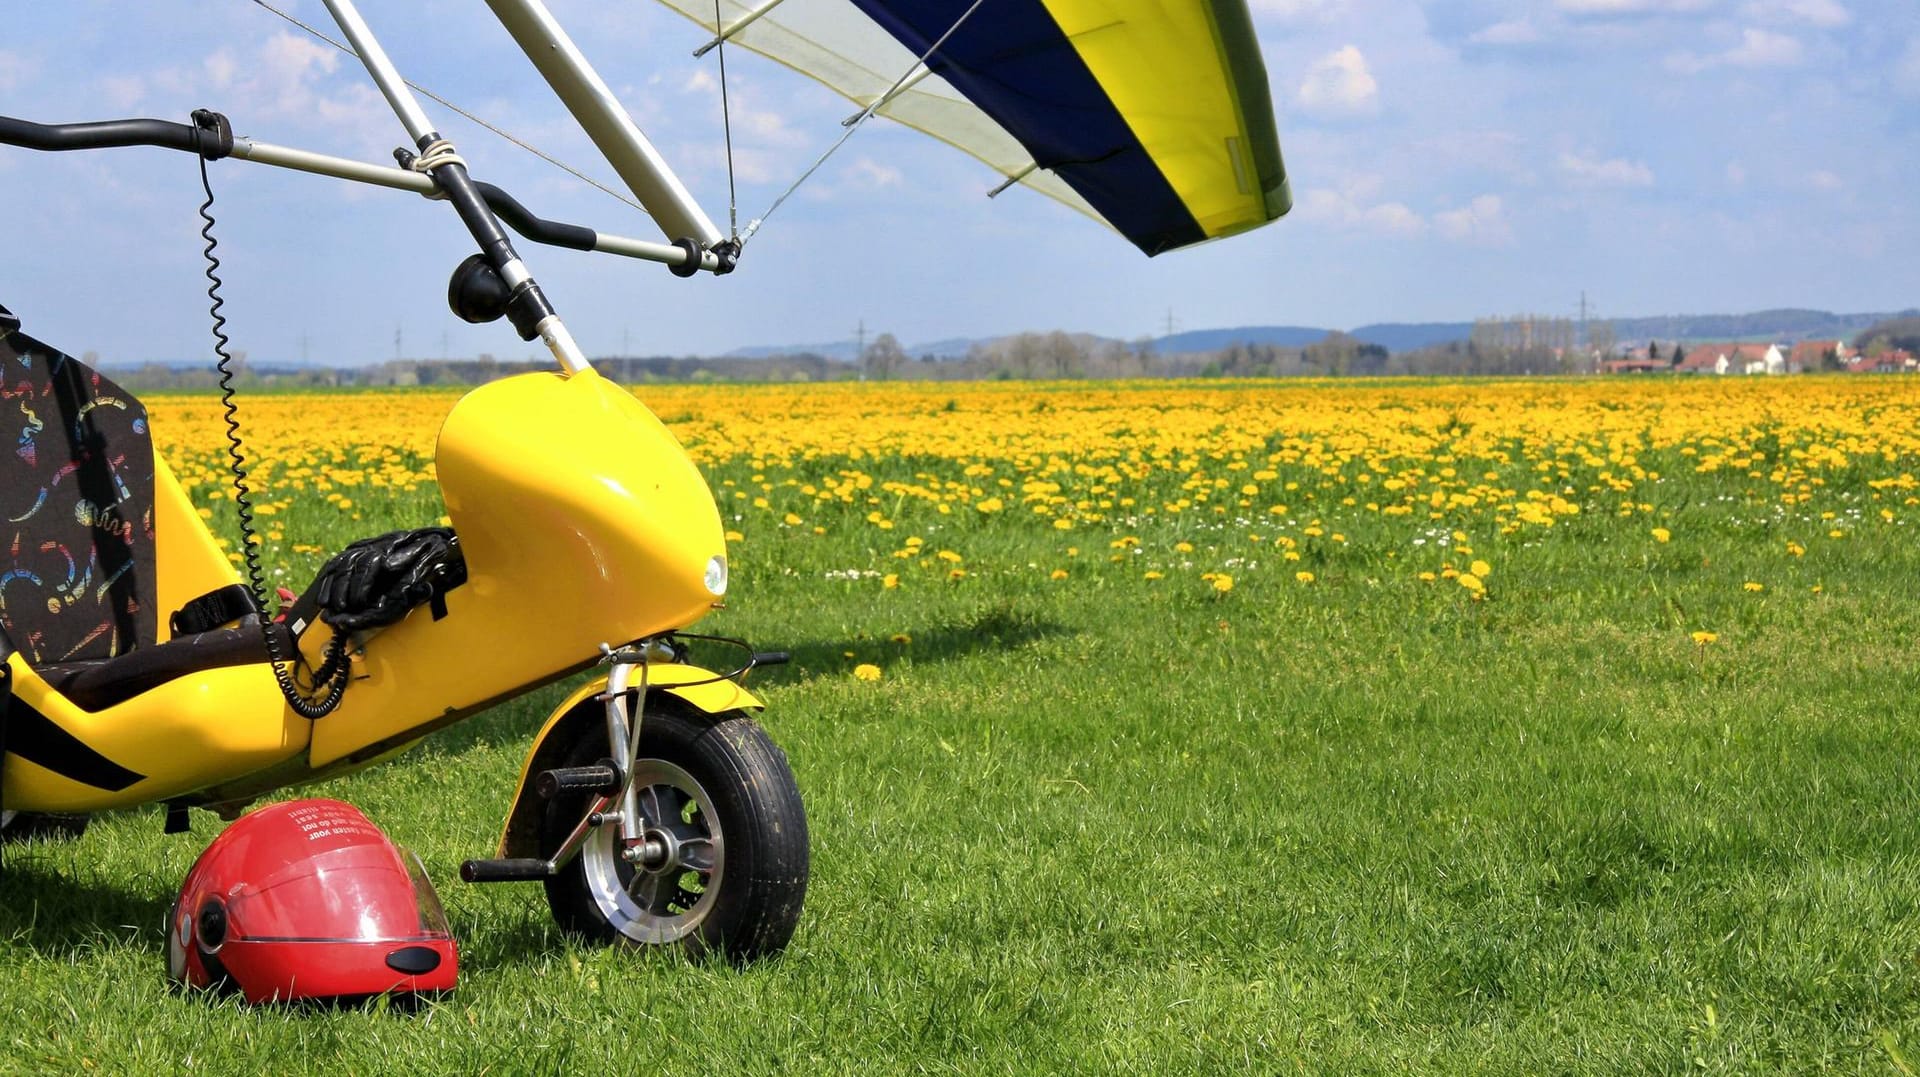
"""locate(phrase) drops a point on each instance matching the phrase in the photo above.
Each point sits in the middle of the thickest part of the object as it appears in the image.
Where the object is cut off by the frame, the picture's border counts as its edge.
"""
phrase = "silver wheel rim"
(671, 900)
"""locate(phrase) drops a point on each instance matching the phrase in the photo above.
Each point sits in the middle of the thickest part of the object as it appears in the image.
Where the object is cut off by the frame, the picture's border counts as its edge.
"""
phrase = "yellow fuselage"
(582, 522)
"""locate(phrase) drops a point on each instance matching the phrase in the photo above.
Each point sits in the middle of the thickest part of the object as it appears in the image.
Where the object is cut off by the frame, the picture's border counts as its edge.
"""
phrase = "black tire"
(739, 890)
(19, 826)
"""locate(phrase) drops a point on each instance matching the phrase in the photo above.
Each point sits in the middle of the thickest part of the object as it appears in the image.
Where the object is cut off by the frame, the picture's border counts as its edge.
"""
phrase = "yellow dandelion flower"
(890, 581)
(1752, 587)
(1481, 569)
(791, 520)
(866, 671)
(1471, 582)
(1661, 534)
(1223, 583)
(1703, 638)
(1152, 575)
(1183, 547)
(1303, 576)
(1057, 574)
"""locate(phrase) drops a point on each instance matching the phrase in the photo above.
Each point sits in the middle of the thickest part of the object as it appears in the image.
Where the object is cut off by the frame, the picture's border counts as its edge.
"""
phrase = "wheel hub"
(661, 887)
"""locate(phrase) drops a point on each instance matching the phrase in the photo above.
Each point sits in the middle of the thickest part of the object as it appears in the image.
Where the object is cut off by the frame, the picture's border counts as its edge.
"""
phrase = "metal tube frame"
(451, 177)
(605, 120)
(402, 179)
(736, 26)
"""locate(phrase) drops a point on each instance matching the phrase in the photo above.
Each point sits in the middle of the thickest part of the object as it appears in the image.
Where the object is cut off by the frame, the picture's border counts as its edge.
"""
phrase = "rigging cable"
(334, 670)
(450, 106)
(726, 125)
(865, 115)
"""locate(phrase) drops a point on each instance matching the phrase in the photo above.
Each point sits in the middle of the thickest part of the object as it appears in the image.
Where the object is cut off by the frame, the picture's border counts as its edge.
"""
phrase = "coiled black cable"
(334, 670)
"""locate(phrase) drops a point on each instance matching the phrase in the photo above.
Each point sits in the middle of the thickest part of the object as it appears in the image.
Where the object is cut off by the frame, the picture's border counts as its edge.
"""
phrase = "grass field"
(1333, 728)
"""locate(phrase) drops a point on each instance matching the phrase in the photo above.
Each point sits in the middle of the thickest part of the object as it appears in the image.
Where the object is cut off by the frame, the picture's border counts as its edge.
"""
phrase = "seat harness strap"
(218, 607)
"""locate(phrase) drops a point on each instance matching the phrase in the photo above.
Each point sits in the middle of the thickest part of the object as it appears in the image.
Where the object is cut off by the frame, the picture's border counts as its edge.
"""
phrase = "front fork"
(623, 747)
(611, 798)
(614, 800)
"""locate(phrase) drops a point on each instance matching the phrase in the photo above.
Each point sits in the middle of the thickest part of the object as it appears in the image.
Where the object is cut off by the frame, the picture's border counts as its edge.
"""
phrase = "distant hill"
(1784, 326)
(1408, 336)
(1212, 340)
(841, 350)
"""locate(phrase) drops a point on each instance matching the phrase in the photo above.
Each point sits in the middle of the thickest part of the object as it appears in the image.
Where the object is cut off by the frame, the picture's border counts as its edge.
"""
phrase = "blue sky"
(1448, 159)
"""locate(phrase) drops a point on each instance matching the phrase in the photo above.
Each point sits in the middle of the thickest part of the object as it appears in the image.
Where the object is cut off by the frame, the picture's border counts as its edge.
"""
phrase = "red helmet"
(309, 900)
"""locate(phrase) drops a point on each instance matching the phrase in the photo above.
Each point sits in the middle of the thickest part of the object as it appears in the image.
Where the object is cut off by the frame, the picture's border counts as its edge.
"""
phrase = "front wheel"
(729, 832)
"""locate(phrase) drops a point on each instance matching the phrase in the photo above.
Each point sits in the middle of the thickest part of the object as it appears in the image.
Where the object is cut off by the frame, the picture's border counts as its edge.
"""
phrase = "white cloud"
(1757, 49)
(1345, 210)
(1906, 73)
(123, 92)
(1482, 221)
(1825, 181)
(1296, 10)
(1512, 32)
(15, 70)
(1592, 171)
(872, 175)
(1630, 7)
(1339, 84)
(1825, 14)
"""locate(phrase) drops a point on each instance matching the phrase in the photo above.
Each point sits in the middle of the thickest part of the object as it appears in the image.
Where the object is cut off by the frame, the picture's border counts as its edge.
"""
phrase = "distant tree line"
(1511, 346)
(1900, 333)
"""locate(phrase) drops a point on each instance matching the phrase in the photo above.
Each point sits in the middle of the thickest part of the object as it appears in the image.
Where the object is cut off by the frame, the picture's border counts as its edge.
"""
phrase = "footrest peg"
(513, 870)
(601, 778)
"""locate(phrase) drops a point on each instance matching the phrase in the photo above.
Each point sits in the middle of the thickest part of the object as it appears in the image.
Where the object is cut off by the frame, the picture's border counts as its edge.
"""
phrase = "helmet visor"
(364, 893)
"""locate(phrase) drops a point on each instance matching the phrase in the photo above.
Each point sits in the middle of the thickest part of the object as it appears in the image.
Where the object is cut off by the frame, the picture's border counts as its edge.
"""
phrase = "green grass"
(1111, 825)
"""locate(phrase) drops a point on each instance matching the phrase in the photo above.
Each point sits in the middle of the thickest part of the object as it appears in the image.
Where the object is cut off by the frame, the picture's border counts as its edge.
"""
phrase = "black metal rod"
(522, 220)
(105, 134)
(114, 134)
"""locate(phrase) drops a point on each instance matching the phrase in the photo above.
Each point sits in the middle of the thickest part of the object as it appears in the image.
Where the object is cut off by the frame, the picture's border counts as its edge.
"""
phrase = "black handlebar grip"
(516, 870)
(600, 778)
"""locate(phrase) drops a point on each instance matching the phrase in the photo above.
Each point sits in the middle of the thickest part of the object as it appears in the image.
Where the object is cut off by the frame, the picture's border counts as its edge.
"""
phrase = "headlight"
(717, 575)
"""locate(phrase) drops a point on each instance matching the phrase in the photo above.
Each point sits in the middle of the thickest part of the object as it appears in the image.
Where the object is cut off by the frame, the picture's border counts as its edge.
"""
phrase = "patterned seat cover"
(76, 508)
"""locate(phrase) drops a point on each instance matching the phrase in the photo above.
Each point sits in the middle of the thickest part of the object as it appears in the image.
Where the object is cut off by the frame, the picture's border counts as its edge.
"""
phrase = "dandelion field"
(1530, 726)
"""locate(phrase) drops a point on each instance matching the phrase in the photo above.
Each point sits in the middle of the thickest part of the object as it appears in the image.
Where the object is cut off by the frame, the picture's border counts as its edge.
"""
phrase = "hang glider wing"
(1152, 116)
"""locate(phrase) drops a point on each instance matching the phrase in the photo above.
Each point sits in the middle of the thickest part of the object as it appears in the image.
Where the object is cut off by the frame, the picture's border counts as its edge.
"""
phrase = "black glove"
(375, 581)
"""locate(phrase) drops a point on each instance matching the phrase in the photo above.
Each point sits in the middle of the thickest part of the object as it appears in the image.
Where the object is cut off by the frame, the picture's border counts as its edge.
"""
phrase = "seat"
(76, 504)
(99, 683)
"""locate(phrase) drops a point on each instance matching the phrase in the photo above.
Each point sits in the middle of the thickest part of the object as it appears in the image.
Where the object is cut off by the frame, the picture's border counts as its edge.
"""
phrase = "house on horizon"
(1733, 359)
(1634, 364)
(1891, 361)
(1704, 359)
(1810, 356)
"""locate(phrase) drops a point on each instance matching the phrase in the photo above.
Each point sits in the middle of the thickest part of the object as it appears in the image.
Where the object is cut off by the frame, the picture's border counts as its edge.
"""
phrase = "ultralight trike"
(141, 668)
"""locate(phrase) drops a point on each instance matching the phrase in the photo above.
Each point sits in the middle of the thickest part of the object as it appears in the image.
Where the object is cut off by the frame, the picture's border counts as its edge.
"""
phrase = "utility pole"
(1583, 318)
(860, 348)
(396, 340)
(1170, 322)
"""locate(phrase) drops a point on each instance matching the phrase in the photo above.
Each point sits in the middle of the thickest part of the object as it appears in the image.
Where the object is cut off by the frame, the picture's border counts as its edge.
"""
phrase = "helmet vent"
(414, 960)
